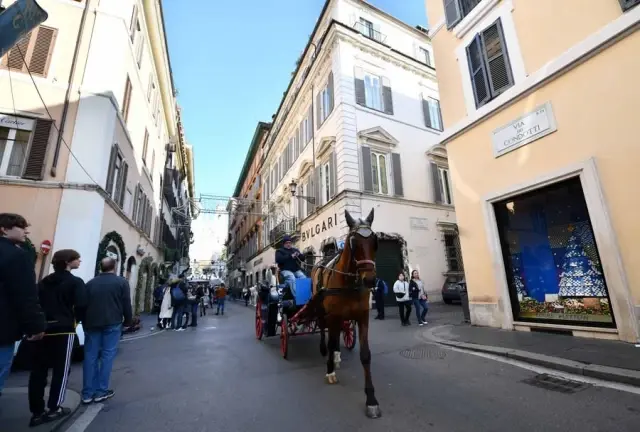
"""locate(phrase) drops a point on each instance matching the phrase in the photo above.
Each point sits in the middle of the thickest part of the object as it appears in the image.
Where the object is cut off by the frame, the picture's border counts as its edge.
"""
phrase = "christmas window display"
(551, 257)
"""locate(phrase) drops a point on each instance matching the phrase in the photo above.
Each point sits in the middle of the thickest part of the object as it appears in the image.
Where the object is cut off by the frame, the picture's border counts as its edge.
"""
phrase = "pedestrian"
(401, 291)
(221, 293)
(108, 305)
(201, 294)
(247, 295)
(193, 301)
(418, 295)
(178, 303)
(381, 290)
(158, 294)
(20, 312)
(166, 311)
(62, 298)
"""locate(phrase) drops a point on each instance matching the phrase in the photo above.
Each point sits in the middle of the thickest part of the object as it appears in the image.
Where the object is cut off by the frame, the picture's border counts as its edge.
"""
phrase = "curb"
(606, 373)
(58, 426)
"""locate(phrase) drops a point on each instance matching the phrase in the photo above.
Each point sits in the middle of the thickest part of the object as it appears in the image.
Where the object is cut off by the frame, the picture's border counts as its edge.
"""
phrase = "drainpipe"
(67, 96)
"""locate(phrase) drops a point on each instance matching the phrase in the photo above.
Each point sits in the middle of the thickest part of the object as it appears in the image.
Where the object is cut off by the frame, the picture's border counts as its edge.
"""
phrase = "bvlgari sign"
(528, 128)
(318, 228)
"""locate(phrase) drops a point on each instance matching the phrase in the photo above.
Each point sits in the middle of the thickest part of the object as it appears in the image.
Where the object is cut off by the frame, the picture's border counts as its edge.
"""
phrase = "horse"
(341, 291)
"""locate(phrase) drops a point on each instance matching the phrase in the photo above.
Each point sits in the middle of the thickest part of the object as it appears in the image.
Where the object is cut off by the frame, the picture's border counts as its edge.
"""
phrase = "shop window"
(551, 258)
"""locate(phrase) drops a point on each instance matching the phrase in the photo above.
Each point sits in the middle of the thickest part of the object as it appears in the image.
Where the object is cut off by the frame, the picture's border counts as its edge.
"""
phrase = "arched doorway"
(144, 276)
(112, 245)
(113, 252)
(131, 273)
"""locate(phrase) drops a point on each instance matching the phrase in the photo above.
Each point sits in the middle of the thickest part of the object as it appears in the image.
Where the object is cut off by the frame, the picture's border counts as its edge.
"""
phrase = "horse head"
(363, 244)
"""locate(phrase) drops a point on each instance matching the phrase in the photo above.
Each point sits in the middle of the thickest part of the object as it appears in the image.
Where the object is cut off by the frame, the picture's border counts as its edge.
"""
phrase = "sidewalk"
(602, 359)
(15, 415)
(149, 324)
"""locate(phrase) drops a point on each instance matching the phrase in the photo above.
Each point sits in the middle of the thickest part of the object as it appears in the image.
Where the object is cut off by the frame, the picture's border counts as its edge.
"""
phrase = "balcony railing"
(286, 227)
(370, 32)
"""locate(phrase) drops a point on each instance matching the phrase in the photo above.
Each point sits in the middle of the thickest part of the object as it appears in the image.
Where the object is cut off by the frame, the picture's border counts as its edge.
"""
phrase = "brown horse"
(341, 292)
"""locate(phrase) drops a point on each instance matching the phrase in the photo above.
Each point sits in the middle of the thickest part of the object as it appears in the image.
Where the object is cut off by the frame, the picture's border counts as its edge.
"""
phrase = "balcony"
(286, 227)
(367, 29)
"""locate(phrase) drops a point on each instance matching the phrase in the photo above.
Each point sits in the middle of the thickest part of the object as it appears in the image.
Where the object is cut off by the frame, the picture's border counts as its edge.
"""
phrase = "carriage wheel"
(284, 337)
(349, 334)
(259, 326)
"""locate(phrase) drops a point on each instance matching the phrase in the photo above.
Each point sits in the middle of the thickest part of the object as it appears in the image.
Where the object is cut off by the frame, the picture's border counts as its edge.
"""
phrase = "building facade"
(357, 130)
(90, 121)
(541, 141)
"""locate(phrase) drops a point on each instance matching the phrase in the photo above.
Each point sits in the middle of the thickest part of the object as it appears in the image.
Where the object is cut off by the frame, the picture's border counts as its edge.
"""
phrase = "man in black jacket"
(61, 297)
(288, 260)
(20, 313)
(108, 305)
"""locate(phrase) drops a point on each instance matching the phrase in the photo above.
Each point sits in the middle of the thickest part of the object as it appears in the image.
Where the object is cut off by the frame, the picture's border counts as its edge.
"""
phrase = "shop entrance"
(551, 258)
(388, 265)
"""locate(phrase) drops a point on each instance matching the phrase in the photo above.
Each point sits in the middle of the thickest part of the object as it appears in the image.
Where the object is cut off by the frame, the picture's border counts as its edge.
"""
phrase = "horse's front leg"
(334, 334)
(336, 354)
(372, 407)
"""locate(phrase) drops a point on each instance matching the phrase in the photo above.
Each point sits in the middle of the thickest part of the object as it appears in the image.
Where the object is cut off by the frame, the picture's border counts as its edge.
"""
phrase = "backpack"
(177, 294)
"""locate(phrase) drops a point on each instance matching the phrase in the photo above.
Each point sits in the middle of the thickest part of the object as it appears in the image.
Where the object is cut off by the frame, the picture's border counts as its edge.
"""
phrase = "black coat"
(62, 297)
(108, 302)
(286, 261)
(20, 312)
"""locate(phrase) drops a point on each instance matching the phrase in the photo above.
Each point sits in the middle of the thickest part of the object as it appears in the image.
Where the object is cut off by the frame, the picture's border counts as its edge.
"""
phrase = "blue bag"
(177, 294)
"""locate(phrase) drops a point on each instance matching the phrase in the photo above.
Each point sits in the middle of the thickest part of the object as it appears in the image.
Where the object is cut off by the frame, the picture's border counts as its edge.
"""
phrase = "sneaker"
(57, 414)
(37, 420)
(87, 401)
(421, 324)
(108, 395)
(424, 323)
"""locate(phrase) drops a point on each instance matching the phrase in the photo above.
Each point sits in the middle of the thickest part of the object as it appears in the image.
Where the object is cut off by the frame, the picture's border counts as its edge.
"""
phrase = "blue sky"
(232, 60)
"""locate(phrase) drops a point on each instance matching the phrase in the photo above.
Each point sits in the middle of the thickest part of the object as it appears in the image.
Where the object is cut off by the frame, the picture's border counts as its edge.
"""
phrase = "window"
(489, 65)
(126, 100)
(13, 151)
(442, 189)
(369, 29)
(326, 182)
(134, 26)
(324, 101)
(445, 185)
(431, 112)
(140, 52)
(453, 252)
(456, 10)
(145, 147)
(380, 173)
(373, 91)
(628, 4)
(425, 56)
(153, 163)
(151, 88)
(33, 53)
(117, 176)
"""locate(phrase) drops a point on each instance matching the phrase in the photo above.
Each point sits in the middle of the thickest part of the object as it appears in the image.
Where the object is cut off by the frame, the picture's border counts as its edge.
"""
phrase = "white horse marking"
(337, 359)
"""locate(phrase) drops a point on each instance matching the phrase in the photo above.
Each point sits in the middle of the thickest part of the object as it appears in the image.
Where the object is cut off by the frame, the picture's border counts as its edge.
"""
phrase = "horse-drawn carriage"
(332, 301)
(280, 312)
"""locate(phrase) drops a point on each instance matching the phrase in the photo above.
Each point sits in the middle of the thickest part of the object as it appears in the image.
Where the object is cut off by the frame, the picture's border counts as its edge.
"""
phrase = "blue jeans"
(100, 348)
(6, 358)
(176, 317)
(220, 305)
(421, 304)
(290, 279)
(194, 314)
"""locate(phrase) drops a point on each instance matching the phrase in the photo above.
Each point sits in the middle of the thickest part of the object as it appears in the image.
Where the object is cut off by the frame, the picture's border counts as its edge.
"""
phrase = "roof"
(261, 129)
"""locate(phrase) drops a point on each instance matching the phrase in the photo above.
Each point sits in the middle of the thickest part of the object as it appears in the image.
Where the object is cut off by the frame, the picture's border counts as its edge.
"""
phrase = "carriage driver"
(288, 260)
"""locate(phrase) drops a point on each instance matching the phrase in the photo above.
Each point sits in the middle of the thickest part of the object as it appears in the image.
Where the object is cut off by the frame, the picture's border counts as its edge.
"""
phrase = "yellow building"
(541, 105)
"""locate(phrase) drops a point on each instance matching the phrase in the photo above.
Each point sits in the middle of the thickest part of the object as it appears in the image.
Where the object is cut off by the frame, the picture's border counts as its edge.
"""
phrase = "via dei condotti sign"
(317, 229)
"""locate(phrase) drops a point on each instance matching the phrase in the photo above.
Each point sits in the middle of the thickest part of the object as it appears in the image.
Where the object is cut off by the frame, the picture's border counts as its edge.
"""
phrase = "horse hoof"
(331, 378)
(373, 412)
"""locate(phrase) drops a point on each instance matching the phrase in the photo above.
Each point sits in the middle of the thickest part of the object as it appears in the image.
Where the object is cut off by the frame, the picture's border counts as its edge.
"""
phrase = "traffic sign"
(45, 247)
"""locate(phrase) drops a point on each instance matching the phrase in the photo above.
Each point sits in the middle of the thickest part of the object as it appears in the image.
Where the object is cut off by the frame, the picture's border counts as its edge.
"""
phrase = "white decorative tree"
(580, 276)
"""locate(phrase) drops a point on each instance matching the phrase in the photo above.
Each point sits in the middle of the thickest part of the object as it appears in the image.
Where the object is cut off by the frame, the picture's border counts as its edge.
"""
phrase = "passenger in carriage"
(288, 260)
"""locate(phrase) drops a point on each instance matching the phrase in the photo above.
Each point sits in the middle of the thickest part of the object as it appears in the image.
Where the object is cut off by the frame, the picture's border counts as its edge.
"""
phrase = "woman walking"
(418, 294)
(401, 290)
(166, 311)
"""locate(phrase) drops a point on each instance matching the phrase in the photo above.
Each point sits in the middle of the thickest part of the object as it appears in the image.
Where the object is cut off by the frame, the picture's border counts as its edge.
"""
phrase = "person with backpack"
(381, 290)
(178, 303)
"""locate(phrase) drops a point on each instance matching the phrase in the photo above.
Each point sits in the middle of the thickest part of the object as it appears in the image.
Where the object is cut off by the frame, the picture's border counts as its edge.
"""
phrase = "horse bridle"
(363, 230)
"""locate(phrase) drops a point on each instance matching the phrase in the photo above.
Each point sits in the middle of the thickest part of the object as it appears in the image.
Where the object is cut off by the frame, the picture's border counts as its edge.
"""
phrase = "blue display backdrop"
(17, 21)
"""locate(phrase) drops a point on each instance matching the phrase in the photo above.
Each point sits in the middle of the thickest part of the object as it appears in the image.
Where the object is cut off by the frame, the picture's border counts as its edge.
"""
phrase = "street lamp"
(293, 186)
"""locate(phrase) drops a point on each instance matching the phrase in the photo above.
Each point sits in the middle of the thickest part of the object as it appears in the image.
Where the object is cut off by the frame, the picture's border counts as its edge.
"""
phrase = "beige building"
(540, 103)
(91, 144)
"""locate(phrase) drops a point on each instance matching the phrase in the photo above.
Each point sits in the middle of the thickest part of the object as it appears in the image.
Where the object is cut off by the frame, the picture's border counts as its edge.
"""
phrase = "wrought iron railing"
(370, 32)
(286, 227)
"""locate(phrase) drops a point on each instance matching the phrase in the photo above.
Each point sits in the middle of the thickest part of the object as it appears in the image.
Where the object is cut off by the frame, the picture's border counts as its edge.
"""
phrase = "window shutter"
(425, 112)
(124, 173)
(14, 58)
(359, 83)
(398, 189)
(310, 127)
(437, 102)
(330, 90)
(334, 176)
(132, 25)
(367, 174)
(111, 169)
(496, 58)
(318, 188)
(301, 138)
(42, 49)
(452, 12)
(310, 192)
(437, 184)
(387, 96)
(318, 110)
(478, 72)
(628, 4)
(126, 100)
(300, 203)
(34, 168)
(145, 147)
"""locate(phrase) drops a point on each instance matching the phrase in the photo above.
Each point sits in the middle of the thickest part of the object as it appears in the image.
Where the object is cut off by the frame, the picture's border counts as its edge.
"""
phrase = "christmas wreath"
(112, 236)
